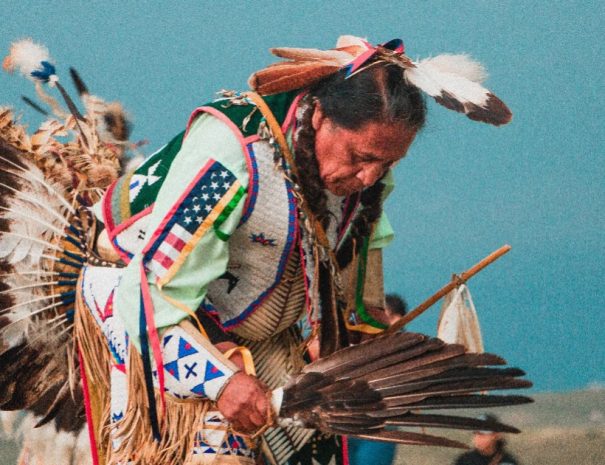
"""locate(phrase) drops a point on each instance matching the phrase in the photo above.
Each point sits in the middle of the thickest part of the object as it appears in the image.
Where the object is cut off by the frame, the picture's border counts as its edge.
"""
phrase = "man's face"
(485, 443)
(352, 160)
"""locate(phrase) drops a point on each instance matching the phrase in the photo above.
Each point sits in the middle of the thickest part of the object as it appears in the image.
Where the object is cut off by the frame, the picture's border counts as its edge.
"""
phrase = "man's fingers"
(257, 419)
(262, 406)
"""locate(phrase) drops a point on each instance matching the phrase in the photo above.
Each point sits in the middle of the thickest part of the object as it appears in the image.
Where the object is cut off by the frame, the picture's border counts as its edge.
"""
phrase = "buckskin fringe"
(96, 357)
(178, 428)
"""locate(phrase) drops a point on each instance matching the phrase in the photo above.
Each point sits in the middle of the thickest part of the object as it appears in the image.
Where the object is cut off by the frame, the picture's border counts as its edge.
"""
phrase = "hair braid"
(310, 180)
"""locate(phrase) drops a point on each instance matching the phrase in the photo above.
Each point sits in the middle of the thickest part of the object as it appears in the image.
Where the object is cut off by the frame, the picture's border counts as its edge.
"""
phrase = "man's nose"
(369, 175)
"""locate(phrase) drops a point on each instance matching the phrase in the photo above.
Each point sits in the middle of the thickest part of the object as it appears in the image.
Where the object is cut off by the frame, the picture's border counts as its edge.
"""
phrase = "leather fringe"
(96, 357)
(178, 427)
(132, 435)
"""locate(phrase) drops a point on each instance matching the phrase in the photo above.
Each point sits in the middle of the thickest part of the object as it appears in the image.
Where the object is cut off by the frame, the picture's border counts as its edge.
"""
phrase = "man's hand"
(244, 402)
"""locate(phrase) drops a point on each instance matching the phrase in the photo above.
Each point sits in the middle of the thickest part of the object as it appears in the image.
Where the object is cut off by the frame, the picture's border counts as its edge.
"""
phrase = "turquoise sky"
(465, 188)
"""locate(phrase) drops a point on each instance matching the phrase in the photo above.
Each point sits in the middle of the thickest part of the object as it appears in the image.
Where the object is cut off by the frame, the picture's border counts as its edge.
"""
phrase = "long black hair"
(378, 94)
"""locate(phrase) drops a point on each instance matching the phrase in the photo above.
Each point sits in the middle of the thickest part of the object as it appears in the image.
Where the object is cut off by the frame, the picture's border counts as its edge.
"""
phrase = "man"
(265, 211)
(488, 448)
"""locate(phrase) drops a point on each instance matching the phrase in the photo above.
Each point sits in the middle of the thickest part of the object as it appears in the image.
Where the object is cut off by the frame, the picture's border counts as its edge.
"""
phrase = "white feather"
(29, 286)
(45, 444)
(433, 81)
(461, 65)
(82, 455)
(349, 40)
(26, 56)
(8, 421)
(28, 238)
(31, 172)
(23, 214)
(65, 443)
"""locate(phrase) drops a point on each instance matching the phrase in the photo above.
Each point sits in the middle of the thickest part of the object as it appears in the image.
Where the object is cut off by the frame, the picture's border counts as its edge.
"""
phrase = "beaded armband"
(193, 366)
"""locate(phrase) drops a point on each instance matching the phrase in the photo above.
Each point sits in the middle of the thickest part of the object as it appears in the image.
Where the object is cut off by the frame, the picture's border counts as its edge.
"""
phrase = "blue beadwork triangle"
(173, 369)
(212, 372)
(185, 348)
(167, 338)
(199, 390)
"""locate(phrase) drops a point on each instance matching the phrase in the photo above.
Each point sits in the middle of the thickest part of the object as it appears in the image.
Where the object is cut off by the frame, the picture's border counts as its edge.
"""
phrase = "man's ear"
(318, 117)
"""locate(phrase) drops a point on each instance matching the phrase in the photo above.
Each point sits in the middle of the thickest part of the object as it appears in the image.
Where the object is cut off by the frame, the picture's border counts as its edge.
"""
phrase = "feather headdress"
(454, 81)
(46, 181)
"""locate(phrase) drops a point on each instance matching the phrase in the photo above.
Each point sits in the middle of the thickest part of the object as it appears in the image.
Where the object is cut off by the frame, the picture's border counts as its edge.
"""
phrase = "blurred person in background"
(488, 448)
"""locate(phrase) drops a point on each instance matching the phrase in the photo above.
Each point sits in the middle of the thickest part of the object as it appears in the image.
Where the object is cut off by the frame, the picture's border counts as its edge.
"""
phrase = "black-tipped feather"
(349, 357)
(34, 105)
(70, 103)
(78, 82)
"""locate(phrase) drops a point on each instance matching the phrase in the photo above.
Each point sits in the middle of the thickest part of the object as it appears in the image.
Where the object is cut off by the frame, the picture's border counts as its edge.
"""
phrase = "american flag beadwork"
(205, 204)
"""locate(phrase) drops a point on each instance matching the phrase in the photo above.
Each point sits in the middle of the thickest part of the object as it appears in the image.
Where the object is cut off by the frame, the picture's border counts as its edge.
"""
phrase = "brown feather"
(276, 79)
(336, 57)
(465, 387)
(455, 402)
(360, 354)
(416, 439)
(419, 379)
(494, 111)
(360, 389)
(448, 421)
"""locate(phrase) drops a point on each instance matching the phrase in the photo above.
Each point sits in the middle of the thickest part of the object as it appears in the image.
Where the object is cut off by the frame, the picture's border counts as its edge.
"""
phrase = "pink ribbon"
(395, 45)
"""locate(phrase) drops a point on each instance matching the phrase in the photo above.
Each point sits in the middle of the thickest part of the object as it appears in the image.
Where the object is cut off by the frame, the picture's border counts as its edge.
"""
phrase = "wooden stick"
(456, 281)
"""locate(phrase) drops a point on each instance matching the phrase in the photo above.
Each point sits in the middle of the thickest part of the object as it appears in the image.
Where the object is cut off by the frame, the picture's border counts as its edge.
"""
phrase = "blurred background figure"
(378, 453)
(395, 308)
(488, 448)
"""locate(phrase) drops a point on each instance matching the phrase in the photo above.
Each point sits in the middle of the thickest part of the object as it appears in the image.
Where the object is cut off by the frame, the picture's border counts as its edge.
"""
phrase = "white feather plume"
(434, 82)
(44, 444)
(35, 217)
(25, 56)
(349, 40)
(461, 65)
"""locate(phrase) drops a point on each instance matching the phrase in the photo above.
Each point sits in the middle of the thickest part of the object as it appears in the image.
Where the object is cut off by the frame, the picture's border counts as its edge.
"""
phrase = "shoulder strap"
(331, 318)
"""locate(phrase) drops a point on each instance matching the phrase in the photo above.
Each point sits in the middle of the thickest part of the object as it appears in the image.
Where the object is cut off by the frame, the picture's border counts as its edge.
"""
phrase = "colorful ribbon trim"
(88, 409)
(149, 335)
(370, 325)
(225, 214)
(394, 45)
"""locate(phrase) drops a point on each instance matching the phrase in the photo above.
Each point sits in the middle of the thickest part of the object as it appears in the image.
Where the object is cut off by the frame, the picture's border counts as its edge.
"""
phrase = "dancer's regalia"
(115, 289)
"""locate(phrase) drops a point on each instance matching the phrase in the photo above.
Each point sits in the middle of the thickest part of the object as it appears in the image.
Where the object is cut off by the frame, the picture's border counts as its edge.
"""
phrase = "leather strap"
(332, 318)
